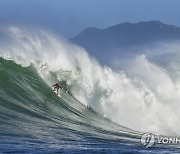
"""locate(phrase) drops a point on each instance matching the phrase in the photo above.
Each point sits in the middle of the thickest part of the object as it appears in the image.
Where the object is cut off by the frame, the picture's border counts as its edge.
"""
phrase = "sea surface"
(104, 110)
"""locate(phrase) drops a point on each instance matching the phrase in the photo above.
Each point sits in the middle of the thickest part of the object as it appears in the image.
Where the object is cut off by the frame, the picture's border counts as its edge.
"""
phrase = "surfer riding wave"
(56, 87)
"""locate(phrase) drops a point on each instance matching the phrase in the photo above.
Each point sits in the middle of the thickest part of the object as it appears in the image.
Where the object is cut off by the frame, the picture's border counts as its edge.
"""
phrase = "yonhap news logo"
(149, 139)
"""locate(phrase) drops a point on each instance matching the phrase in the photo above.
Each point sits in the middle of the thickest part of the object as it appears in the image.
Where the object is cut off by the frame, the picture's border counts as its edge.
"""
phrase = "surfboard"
(57, 93)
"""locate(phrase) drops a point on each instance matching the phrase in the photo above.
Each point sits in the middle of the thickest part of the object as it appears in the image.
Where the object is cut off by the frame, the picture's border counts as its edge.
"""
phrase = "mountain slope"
(115, 39)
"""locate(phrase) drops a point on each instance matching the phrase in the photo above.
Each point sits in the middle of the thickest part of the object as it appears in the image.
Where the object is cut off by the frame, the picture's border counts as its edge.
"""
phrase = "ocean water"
(142, 96)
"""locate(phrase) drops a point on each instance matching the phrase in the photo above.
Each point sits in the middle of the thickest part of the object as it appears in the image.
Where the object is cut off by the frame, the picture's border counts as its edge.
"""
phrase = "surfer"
(56, 87)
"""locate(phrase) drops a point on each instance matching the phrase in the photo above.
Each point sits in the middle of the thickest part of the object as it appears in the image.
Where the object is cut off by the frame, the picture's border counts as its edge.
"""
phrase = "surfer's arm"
(54, 85)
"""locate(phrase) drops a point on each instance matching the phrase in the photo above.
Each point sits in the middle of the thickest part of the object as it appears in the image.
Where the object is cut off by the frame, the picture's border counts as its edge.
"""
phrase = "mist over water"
(142, 94)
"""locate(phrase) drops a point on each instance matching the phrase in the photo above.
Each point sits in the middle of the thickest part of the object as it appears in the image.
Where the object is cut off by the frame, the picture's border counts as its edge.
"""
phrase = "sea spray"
(141, 96)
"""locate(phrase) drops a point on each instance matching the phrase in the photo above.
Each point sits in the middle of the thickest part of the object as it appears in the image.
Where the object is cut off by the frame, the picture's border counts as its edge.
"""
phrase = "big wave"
(143, 94)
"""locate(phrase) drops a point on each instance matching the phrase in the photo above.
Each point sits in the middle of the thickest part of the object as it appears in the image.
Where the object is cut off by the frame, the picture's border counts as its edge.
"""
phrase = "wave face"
(141, 96)
(33, 117)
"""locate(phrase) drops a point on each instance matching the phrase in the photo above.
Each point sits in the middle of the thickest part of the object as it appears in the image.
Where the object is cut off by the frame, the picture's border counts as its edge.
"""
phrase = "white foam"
(142, 96)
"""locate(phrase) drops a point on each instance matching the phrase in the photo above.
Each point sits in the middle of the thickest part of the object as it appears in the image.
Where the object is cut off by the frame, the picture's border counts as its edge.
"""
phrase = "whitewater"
(139, 95)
